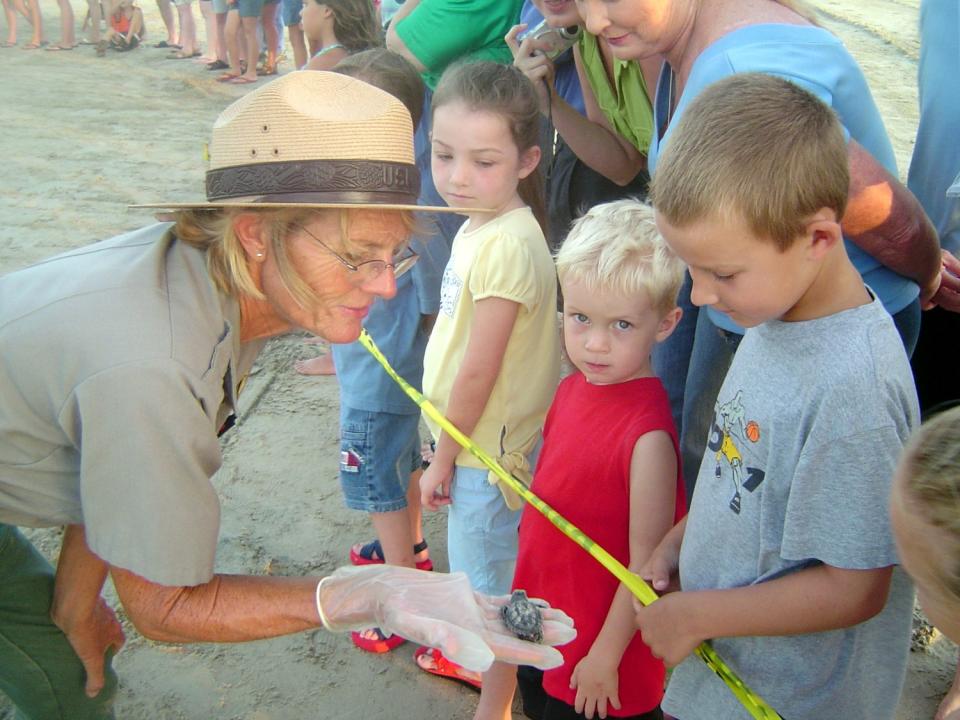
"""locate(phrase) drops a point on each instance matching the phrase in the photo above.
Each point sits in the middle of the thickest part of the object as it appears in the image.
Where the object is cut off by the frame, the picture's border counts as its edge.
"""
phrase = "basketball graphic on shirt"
(753, 431)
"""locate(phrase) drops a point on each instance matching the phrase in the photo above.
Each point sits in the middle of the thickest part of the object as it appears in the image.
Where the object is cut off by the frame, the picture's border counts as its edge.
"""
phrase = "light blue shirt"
(936, 156)
(817, 61)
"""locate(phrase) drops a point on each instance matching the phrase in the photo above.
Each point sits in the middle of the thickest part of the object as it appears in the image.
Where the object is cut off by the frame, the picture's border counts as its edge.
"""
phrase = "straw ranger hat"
(312, 139)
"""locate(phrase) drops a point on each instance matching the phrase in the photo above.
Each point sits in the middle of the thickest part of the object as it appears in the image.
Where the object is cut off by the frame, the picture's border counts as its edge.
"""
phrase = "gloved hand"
(437, 610)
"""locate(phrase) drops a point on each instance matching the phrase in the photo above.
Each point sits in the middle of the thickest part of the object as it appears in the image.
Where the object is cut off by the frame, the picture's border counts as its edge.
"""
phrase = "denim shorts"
(481, 532)
(219, 6)
(378, 451)
(249, 8)
(290, 12)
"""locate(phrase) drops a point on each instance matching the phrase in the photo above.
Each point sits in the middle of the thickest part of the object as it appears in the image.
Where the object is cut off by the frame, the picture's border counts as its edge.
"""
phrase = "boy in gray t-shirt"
(786, 559)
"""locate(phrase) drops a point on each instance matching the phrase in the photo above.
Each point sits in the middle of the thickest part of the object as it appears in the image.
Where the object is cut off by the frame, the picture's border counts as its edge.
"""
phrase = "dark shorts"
(537, 705)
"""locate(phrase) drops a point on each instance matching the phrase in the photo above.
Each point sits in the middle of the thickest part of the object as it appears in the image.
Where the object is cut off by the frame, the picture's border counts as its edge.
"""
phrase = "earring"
(259, 254)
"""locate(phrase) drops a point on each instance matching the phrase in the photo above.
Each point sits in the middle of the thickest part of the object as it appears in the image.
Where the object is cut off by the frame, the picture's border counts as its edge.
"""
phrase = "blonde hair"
(616, 247)
(757, 148)
(505, 91)
(354, 24)
(213, 232)
(930, 469)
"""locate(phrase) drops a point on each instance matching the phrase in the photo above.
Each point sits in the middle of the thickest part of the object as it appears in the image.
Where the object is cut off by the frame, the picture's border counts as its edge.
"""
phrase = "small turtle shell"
(522, 617)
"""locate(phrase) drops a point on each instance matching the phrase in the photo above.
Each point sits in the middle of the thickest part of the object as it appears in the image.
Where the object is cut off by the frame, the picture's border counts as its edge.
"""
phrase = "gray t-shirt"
(807, 429)
(119, 363)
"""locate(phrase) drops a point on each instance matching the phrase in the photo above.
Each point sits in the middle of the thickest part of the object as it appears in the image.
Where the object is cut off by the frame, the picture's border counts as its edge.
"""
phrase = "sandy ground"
(85, 136)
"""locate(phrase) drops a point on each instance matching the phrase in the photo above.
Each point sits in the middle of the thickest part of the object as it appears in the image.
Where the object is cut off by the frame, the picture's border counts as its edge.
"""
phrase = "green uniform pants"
(39, 670)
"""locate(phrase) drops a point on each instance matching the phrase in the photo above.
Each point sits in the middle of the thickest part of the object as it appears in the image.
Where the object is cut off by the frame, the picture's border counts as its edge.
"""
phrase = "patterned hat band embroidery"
(298, 181)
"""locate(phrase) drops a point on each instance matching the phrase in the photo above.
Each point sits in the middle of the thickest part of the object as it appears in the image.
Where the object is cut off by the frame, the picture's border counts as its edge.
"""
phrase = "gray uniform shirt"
(119, 362)
(807, 429)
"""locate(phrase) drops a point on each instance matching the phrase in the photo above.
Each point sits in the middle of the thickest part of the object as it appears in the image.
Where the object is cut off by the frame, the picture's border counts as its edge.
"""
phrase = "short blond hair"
(756, 148)
(212, 230)
(930, 470)
(616, 247)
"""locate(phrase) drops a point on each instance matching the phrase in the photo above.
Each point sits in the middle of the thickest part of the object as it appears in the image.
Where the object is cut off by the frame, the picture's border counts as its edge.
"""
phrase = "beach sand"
(85, 137)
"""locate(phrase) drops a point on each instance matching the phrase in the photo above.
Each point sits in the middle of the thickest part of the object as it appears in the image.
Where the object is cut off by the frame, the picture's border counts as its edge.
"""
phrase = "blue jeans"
(378, 452)
(39, 671)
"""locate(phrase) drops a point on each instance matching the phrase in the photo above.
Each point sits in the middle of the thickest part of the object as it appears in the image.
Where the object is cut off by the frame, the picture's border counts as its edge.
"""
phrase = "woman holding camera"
(601, 151)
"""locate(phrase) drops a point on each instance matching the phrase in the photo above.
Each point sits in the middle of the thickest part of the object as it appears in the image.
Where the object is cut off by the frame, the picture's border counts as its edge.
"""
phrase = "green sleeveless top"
(626, 104)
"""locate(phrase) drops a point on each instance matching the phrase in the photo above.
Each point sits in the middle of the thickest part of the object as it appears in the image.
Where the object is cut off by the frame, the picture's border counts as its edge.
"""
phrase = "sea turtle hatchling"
(522, 617)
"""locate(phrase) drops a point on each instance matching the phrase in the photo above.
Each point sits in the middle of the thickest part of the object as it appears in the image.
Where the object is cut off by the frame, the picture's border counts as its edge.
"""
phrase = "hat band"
(341, 181)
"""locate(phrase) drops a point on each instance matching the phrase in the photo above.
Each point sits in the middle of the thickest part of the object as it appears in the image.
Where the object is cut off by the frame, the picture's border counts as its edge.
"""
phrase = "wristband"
(323, 617)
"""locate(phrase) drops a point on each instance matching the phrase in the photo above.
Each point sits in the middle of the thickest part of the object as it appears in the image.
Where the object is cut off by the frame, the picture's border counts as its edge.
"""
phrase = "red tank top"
(583, 471)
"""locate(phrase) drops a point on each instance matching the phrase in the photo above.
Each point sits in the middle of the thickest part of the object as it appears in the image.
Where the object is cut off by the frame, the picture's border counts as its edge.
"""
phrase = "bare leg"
(950, 705)
(221, 30)
(415, 515)
(496, 697)
(251, 46)
(210, 28)
(94, 9)
(233, 33)
(295, 33)
(166, 14)
(67, 36)
(36, 20)
(188, 29)
(268, 17)
(11, 15)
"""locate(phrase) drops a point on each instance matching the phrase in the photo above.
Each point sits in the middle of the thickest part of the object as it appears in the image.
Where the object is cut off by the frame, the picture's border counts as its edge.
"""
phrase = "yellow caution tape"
(754, 704)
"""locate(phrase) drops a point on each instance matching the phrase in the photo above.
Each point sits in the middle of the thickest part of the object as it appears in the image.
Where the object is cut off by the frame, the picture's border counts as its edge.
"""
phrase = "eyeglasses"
(370, 269)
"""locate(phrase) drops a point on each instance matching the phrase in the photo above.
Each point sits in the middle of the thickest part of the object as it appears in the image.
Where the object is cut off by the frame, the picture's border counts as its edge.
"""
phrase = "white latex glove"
(437, 610)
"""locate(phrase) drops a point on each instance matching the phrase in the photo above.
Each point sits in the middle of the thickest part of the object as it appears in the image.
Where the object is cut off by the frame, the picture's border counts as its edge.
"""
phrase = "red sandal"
(382, 643)
(371, 553)
(443, 667)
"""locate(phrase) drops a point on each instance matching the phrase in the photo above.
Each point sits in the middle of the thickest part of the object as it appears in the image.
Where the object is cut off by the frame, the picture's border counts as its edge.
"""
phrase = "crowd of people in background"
(742, 281)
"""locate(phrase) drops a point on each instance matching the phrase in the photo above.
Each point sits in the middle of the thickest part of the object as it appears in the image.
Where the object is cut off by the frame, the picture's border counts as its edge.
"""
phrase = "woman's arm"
(228, 608)
(493, 323)
(884, 219)
(78, 610)
(653, 497)
(395, 42)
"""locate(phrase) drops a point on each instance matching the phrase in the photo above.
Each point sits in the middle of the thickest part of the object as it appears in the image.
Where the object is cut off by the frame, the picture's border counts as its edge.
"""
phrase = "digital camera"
(553, 41)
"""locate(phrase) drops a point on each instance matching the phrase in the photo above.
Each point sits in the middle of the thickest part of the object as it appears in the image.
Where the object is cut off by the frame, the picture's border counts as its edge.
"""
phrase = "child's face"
(737, 273)
(314, 17)
(475, 161)
(922, 549)
(608, 336)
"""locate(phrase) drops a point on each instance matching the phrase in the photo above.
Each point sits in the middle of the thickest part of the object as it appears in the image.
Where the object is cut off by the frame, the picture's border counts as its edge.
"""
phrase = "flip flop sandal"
(443, 667)
(227, 77)
(7, 43)
(218, 65)
(371, 553)
(57, 48)
(33, 46)
(240, 80)
(165, 44)
(382, 643)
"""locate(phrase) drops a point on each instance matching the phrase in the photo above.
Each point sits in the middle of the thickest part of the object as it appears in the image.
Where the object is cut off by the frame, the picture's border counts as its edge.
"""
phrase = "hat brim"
(317, 206)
